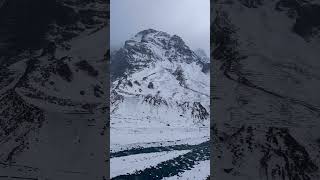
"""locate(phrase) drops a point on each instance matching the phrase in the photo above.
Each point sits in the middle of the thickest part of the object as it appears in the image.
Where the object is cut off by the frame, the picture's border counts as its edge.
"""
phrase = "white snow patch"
(200, 172)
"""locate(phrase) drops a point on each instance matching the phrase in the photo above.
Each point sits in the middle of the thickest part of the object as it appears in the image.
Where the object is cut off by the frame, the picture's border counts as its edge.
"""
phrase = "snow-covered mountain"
(162, 70)
(159, 95)
(265, 89)
(53, 68)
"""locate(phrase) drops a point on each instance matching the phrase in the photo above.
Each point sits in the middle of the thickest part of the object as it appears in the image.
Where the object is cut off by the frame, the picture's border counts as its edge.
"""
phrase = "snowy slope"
(200, 171)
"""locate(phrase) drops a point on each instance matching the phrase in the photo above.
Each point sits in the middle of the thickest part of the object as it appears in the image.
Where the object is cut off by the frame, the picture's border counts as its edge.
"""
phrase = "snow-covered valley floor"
(155, 150)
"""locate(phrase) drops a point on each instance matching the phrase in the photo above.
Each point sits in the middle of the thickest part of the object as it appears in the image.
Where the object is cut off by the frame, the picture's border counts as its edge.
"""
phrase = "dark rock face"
(155, 100)
(176, 42)
(146, 32)
(137, 83)
(180, 76)
(98, 91)
(305, 14)
(150, 85)
(85, 66)
(206, 68)
(64, 71)
(199, 112)
(82, 92)
(118, 65)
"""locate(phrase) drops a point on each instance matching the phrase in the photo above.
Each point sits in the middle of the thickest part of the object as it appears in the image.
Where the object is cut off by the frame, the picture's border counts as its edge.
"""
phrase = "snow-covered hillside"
(53, 70)
(159, 95)
(265, 89)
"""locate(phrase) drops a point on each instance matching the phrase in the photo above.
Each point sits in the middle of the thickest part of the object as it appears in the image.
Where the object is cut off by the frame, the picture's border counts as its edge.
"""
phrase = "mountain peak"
(149, 35)
(150, 46)
(147, 31)
(160, 39)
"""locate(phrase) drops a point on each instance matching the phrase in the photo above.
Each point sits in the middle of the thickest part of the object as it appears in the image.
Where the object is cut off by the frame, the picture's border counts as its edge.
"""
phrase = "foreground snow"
(133, 163)
(200, 171)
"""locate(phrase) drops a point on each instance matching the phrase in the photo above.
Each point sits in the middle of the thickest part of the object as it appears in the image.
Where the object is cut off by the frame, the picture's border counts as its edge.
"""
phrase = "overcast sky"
(189, 19)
